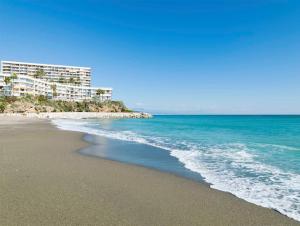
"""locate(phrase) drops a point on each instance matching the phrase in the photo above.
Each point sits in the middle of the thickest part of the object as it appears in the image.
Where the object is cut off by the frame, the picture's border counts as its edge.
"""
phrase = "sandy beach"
(44, 181)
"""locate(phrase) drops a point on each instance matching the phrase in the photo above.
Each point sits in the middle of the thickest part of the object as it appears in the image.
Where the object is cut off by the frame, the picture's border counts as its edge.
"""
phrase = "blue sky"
(212, 56)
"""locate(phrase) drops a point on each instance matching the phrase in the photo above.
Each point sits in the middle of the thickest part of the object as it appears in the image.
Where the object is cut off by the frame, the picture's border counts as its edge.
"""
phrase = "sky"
(163, 56)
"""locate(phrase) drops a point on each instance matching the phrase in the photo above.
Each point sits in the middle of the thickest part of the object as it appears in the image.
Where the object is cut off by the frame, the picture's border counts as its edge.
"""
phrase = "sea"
(256, 158)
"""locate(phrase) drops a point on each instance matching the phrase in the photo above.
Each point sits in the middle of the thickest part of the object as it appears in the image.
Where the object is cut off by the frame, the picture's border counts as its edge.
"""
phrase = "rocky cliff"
(30, 104)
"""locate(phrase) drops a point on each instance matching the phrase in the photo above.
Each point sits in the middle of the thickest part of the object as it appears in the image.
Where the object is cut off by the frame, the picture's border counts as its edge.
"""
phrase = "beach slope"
(44, 181)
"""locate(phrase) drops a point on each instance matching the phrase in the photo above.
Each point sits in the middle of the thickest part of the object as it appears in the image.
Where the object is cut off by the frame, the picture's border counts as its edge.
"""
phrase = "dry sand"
(44, 181)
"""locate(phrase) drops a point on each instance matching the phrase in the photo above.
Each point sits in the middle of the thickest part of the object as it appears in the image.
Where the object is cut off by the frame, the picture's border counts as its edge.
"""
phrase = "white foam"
(268, 186)
(233, 168)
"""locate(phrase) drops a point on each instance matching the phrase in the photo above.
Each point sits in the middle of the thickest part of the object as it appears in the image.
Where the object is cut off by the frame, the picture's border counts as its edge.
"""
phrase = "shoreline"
(85, 152)
(59, 186)
(201, 181)
(76, 115)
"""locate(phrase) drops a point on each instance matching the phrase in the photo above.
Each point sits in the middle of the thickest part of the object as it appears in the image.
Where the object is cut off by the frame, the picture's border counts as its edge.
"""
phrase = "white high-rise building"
(49, 72)
(54, 82)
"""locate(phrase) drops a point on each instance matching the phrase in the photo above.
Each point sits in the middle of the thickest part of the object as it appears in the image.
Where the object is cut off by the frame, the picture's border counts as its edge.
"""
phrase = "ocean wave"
(278, 147)
(246, 178)
(231, 167)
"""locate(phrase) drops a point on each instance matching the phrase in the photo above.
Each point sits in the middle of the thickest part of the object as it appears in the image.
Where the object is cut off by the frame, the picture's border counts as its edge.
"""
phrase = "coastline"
(122, 151)
(76, 115)
(48, 183)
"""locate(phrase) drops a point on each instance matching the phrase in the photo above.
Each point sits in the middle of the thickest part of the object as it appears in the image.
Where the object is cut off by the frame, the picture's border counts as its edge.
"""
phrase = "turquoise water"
(256, 158)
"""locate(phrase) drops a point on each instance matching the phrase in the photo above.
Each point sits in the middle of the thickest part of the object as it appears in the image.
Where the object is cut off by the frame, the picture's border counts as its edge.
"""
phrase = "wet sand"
(44, 181)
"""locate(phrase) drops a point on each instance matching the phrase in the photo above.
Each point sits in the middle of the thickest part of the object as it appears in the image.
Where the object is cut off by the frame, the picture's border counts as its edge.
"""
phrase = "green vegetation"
(14, 76)
(53, 87)
(4, 101)
(42, 104)
(39, 73)
(74, 81)
(61, 80)
(100, 92)
(77, 81)
(7, 80)
(71, 80)
(2, 105)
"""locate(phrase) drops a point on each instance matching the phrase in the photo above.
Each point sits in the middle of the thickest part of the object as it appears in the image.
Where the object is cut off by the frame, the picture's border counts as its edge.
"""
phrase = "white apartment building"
(50, 87)
(23, 85)
(50, 72)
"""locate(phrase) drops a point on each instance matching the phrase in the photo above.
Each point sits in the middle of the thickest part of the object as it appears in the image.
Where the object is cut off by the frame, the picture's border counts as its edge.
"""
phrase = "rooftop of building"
(40, 64)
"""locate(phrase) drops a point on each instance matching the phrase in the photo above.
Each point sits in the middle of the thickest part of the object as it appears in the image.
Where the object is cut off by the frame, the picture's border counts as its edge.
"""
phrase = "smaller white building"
(23, 85)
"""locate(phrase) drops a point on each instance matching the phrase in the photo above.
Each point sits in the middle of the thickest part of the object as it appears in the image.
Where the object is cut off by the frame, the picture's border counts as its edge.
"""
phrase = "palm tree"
(71, 80)
(39, 73)
(1, 92)
(14, 76)
(7, 80)
(78, 81)
(61, 80)
(53, 87)
(100, 92)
